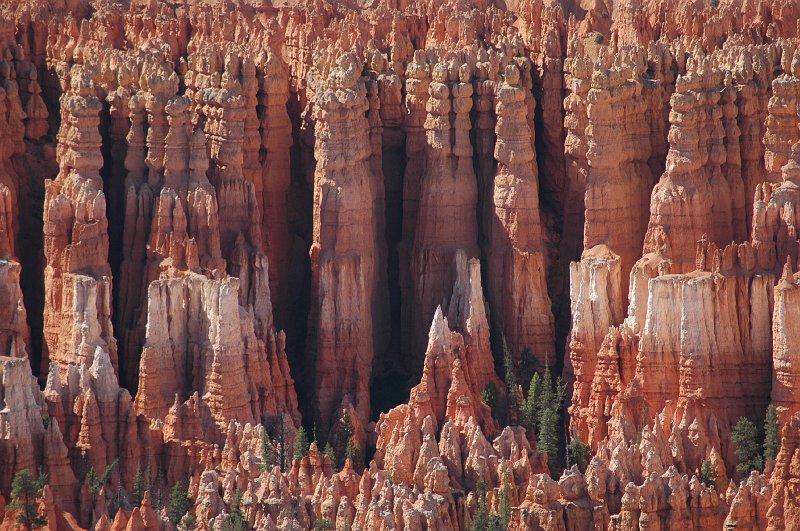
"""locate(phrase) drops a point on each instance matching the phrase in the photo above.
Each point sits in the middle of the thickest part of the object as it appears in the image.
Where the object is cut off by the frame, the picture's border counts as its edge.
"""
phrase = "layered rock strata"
(343, 256)
(516, 268)
(447, 221)
(77, 315)
(193, 153)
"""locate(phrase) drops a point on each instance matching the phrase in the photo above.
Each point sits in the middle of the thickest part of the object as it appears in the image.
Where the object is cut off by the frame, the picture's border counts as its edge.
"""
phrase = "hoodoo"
(382, 265)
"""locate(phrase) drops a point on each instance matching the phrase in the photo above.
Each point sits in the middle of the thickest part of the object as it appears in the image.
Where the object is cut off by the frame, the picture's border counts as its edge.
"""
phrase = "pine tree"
(190, 521)
(480, 522)
(547, 396)
(489, 396)
(546, 409)
(547, 436)
(179, 503)
(300, 444)
(235, 521)
(282, 455)
(510, 370)
(530, 407)
(139, 487)
(353, 453)
(503, 509)
(96, 483)
(526, 366)
(708, 476)
(579, 453)
(118, 500)
(513, 398)
(156, 495)
(328, 451)
(745, 435)
(772, 441)
(25, 491)
(267, 453)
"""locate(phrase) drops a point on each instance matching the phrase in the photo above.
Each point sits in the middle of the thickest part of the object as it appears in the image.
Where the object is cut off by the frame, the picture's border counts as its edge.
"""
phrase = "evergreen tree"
(547, 436)
(490, 396)
(282, 456)
(149, 480)
(353, 453)
(117, 500)
(300, 444)
(513, 398)
(510, 370)
(93, 481)
(328, 451)
(579, 453)
(156, 495)
(267, 453)
(235, 521)
(745, 436)
(526, 367)
(708, 476)
(541, 413)
(530, 407)
(503, 509)
(772, 438)
(346, 445)
(96, 483)
(189, 522)
(25, 491)
(480, 522)
(179, 503)
(139, 487)
(547, 395)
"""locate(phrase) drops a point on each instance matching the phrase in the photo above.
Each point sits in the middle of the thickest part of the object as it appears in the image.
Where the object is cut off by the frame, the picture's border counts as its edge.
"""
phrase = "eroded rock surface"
(223, 221)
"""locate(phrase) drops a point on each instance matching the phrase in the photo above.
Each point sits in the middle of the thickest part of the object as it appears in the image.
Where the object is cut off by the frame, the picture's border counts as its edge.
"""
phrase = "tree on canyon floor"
(708, 476)
(483, 519)
(753, 447)
(235, 520)
(96, 483)
(491, 397)
(578, 453)
(273, 446)
(328, 451)
(512, 383)
(26, 492)
(179, 503)
(772, 433)
(347, 444)
(503, 508)
(139, 487)
(541, 413)
(301, 443)
(745, 437)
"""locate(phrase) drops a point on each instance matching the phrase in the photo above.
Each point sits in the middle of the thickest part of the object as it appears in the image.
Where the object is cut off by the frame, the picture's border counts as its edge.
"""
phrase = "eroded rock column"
(77, 316)
(516, 269)
(342, 254)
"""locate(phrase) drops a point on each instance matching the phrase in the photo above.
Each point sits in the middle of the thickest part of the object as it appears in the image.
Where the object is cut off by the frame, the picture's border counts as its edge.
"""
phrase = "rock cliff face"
(77, 314)
(446, 221)
(424, 196)
(343, 253)
(517, 289)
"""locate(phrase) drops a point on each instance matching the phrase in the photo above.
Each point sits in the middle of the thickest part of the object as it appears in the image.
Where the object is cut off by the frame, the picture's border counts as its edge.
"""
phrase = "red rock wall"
(406, 188)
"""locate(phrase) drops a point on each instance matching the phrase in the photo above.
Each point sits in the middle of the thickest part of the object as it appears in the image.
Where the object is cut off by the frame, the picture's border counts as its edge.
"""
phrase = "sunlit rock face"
(301, 261)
